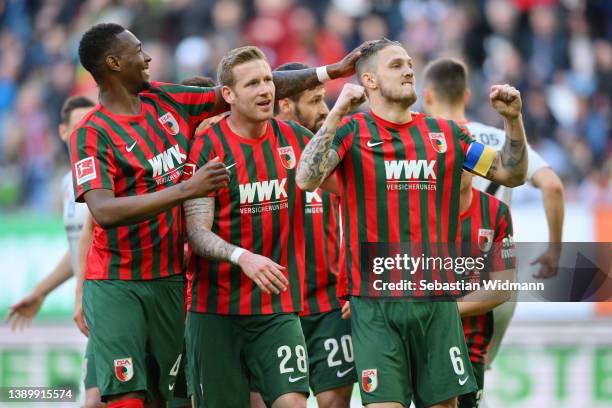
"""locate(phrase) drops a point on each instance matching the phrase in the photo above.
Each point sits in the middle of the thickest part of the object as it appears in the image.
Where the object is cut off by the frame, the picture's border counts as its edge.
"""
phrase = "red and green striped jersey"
(488, 223)
(133, 155)
(400, 183)
(261, 210)
(321, 235)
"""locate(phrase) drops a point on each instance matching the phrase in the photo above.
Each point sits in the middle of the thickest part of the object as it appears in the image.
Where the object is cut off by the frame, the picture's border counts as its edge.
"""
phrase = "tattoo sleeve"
(317, 160)
(512, 153)
(290, 83)
(509, 166)
(199, 214)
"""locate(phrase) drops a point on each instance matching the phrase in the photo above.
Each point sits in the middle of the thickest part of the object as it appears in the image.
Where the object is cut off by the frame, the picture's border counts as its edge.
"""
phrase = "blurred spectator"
(544, 45)
(557, 52)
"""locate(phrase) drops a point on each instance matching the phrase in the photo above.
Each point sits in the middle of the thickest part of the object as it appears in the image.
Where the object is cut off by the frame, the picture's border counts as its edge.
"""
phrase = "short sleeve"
(198, 103)
(342, 138)
(478, 157)
(93, 162)
(535, 162)
(201, 151)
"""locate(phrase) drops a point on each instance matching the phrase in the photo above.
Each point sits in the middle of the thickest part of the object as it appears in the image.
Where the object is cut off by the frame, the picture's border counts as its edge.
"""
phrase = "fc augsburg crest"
(287, 157)
(169, 123)
(369, 379)
(485, 239)
(438, 141)
(124, 370)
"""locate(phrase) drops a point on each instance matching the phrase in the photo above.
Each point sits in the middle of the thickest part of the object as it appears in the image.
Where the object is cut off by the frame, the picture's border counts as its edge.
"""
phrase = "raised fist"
(506, 100)
(351, 97)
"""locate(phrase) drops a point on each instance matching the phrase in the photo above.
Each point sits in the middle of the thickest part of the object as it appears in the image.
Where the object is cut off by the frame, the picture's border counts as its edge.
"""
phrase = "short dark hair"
(95, 45)
(447, 78)
(289, 66)
(201, 81)
(72, 103)
(292, 66)
(237, 56)
(369, 51)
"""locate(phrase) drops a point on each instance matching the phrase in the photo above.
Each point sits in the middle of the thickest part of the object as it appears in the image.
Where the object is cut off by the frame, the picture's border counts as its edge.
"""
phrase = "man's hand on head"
(346, 66)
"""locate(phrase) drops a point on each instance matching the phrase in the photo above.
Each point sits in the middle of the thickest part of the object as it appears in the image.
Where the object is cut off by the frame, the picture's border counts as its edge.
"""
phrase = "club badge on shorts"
(287, 157)
(369, 379)
(485, 239)
(169, 123)
(438, 142)
(124, 370)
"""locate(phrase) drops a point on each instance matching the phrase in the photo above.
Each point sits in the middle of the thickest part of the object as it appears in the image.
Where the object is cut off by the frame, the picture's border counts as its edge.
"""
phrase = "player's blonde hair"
(237, 56)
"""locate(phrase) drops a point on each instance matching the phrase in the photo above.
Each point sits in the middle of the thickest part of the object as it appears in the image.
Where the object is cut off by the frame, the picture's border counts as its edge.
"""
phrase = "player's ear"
(112, 62)
(285, 105)
(368, 80)
(228, 94)
(466, 97)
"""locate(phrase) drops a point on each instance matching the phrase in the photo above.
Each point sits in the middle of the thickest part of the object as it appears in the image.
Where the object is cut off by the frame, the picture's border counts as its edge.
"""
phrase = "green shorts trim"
(472, 399)
(229, 355)
(330, 351)
(408, 350)
(136, 331)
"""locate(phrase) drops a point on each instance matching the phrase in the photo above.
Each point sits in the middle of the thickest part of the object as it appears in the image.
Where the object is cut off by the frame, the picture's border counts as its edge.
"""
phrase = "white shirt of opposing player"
(495, 138)
(75, 215)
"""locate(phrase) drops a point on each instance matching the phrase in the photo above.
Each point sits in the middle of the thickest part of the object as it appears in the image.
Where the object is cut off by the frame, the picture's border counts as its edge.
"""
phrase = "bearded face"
(394, 75)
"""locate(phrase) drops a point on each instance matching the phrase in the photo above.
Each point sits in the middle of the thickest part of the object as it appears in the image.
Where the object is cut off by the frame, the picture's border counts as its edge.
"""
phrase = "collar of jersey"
(228, 132)
(124, 118)
(415, 117)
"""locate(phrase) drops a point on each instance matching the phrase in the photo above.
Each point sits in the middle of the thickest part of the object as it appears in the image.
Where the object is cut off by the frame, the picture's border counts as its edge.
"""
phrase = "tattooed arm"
(199, 214)
(318, 159)
(509, 166)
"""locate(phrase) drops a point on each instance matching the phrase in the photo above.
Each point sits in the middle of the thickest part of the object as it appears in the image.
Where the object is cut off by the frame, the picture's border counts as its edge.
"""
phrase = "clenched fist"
(351, 97)
(506, 100)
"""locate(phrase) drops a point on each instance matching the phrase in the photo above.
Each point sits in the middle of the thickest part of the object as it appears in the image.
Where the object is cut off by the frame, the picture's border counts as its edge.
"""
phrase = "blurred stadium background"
(558, 53)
